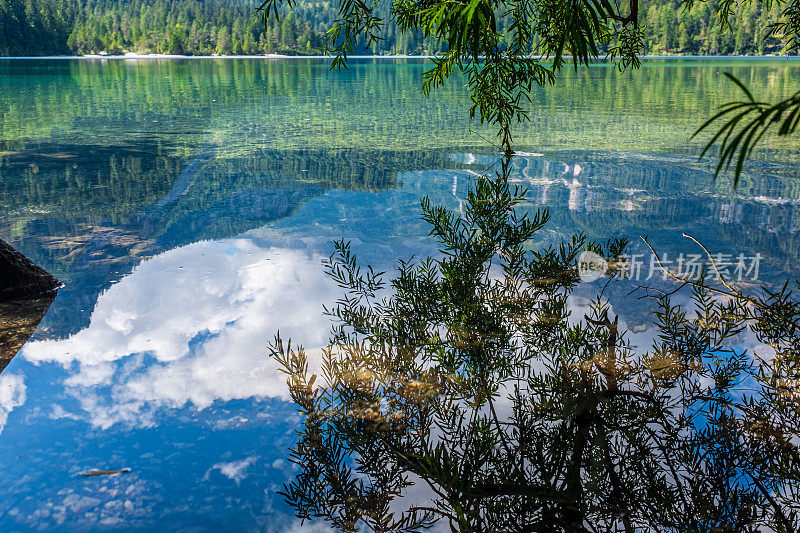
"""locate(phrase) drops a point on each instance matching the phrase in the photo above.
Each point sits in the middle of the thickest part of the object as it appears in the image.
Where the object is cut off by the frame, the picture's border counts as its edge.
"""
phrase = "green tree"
(506, 48)
(288, 33)
(176, 40)
(223, 41)
(36, 27)
(745, 122)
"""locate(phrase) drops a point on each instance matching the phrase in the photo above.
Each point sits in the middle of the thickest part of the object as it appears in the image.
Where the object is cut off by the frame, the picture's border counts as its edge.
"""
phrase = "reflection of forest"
(637, 195)
(89, 214)
(377, 103)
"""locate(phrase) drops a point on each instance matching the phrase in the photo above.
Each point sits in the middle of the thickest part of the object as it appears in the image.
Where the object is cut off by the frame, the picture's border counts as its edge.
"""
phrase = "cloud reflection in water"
(191, 326)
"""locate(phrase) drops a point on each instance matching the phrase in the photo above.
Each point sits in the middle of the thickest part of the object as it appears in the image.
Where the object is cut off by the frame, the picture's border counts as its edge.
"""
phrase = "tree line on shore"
(190, 27)
(208, 27)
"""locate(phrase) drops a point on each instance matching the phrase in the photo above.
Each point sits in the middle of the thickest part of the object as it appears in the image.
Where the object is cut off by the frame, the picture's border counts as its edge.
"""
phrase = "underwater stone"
(21, 278)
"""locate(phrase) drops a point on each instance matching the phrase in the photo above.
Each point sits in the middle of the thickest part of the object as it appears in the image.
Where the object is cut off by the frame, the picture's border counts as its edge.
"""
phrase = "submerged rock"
(18, 321)
(21, 278)
(26, 292)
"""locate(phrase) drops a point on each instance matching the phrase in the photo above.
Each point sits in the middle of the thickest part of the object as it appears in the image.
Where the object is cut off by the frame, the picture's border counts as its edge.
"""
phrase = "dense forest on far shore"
(207, 27)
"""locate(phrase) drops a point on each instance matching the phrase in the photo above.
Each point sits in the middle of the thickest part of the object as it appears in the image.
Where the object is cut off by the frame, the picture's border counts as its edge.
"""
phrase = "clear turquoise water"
(187, 204)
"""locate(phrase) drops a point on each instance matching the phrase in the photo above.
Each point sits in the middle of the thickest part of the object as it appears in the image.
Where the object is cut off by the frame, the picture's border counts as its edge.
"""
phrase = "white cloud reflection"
(234, 470)
(12, 394)
(191, 326)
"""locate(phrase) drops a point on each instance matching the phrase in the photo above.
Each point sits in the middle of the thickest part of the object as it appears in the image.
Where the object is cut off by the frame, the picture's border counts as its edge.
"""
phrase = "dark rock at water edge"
(26, 292)
(21, 278)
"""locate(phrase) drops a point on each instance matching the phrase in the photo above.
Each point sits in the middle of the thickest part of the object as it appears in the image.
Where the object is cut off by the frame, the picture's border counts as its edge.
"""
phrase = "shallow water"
(187, 204)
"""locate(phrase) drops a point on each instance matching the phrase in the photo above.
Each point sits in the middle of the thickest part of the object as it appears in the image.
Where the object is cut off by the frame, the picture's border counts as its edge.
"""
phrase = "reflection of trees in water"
(665, 196)
(90, 181)
(89, 214)
(298, 103)
(470, 379)
(764, 227)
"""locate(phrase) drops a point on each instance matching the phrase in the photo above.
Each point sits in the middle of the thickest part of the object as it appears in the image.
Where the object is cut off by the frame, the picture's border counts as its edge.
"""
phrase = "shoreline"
(174, 56)
(131, 56)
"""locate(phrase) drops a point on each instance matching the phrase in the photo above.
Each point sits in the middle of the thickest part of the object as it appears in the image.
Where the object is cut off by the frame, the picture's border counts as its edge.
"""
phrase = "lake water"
(187, 204)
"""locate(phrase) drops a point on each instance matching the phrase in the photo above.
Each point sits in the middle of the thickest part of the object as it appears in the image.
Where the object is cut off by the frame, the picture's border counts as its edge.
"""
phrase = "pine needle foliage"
(463, 389)
(505, 49)
(467, 379)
